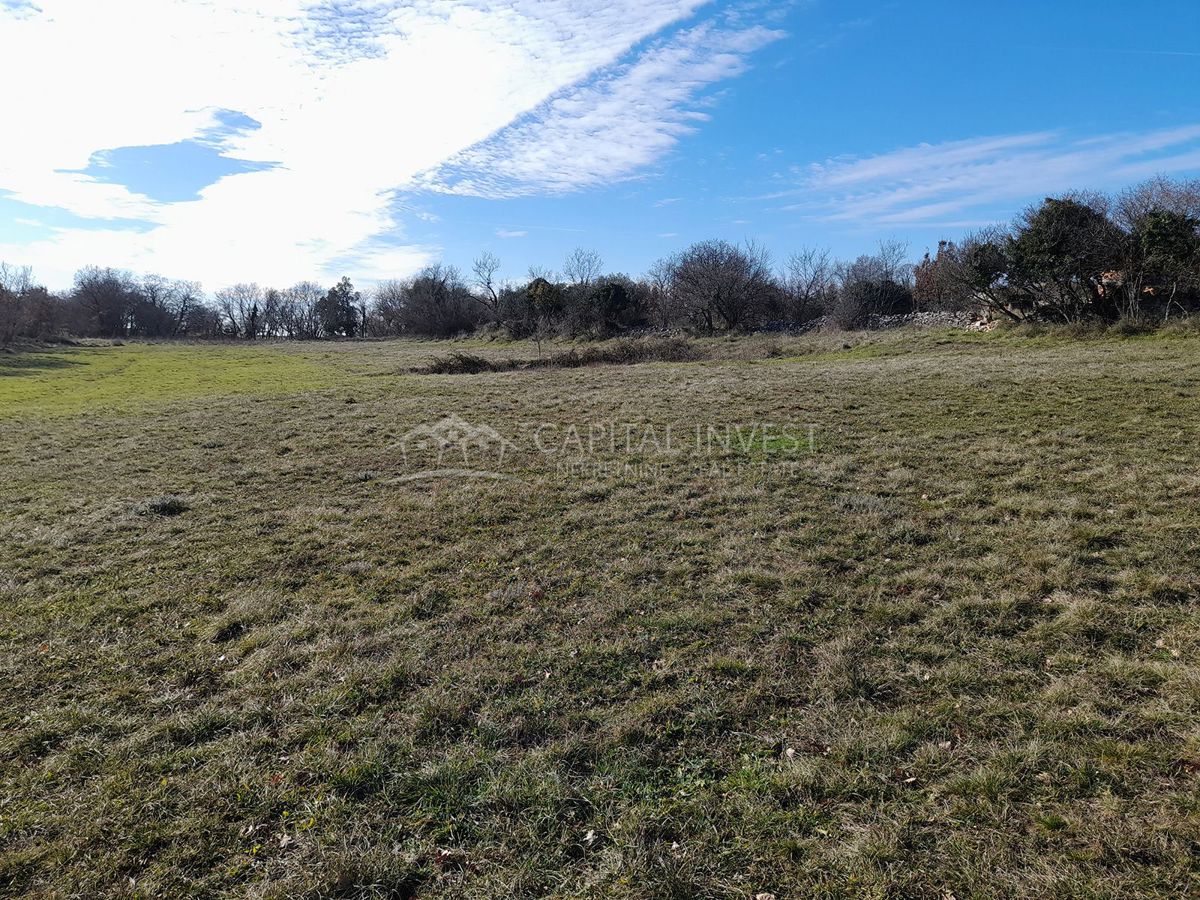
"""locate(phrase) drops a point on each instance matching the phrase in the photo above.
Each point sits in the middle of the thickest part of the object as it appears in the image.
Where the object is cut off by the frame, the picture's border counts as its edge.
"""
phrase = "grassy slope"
(971, 617)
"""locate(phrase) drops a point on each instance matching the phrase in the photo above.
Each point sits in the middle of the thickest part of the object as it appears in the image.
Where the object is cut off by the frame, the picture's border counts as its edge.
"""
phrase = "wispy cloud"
(607, 130)
(1094, 51)
(346, 31)
(19, 9)
(507, 233)
(950, 183)
(315, 76)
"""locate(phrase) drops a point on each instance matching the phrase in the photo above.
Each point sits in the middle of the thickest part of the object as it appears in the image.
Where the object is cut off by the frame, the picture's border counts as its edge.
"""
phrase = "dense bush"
(878, 285)
(1081, 258)
(435, 302)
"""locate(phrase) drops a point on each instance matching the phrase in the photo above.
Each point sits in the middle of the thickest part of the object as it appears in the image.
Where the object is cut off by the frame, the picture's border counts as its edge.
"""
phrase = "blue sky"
(198, 139)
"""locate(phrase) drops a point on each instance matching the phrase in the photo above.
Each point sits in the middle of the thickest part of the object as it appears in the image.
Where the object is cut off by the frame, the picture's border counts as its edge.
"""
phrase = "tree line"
(1074, 258)
(1080, 257)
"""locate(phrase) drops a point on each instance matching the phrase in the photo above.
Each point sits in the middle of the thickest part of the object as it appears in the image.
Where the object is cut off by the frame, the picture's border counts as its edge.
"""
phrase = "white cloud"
(950, 183)
(356, 99)
(594, 134)
(506, 233)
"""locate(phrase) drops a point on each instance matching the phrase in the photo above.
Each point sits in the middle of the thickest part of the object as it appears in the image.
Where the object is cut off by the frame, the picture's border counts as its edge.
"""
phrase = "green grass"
(953, 652)
(138, 375)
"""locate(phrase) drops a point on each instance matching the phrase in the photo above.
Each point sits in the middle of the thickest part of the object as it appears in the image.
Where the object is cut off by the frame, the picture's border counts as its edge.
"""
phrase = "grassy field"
(250, 647)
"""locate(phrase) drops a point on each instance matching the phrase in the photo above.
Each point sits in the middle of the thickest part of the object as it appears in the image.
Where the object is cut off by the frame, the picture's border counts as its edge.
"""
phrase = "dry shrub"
(626, 351)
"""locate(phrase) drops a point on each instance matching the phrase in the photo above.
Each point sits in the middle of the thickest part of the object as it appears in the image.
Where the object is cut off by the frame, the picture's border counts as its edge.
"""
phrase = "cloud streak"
(599, 133)
(957, 181)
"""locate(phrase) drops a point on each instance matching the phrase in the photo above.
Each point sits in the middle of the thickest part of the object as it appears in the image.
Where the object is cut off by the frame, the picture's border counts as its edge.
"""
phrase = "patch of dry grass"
(952, 651)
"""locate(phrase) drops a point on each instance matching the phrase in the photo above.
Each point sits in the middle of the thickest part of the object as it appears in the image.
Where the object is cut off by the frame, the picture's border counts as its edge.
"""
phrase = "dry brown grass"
(953, 651)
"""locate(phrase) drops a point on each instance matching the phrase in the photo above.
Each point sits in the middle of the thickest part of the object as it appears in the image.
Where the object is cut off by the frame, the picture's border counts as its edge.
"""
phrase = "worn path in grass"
(952, 651)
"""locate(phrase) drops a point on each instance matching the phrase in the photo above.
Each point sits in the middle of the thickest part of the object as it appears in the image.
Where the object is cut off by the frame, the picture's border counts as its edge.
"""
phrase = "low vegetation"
(619, 352)
(948, 649)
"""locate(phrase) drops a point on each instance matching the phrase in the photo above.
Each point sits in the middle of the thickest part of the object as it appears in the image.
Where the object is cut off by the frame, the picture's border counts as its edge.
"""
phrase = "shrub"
(625, 351)
(166, 505)
(459, 363)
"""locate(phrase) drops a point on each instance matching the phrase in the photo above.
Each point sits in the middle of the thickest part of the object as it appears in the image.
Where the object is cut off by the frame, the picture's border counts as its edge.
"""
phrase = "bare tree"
(241, 308)
(665, 311)
(16, 282)
(485, 267)
(299, 310)
(808, 280)
(388, 306)
(153, 312)
(892, 261)
(1159, 193)
(155, 290)
(185, 298)
(719, 283)
(583, 266)
(272, 312)
(15, 279)
(106, 299)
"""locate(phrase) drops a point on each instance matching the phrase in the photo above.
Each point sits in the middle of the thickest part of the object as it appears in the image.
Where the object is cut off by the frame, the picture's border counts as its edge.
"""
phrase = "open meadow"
(912, 614)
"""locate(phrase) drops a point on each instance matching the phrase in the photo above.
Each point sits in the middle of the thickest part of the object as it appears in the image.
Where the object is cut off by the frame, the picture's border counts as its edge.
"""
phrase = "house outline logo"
(454, 436)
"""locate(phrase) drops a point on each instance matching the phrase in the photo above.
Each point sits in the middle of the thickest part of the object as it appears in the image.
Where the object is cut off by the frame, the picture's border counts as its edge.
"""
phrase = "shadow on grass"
(32, 364)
